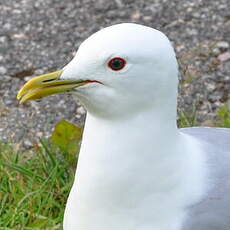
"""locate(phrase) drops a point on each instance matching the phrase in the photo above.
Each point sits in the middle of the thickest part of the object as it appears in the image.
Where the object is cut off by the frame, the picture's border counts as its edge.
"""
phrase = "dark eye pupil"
(116, 63)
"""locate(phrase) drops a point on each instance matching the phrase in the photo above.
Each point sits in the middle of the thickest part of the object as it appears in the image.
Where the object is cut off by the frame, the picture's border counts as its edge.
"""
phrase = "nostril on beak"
(48, 80)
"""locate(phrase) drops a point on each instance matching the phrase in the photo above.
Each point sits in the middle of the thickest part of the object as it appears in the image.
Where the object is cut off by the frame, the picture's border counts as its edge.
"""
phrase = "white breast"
(142, 185)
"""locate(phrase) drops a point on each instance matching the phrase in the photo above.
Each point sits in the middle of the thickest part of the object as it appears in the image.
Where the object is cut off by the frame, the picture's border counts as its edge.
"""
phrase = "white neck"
(131, 174)
(160, 120)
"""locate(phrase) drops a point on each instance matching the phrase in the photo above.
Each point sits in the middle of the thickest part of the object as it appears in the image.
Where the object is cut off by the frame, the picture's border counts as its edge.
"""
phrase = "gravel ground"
(41, 36)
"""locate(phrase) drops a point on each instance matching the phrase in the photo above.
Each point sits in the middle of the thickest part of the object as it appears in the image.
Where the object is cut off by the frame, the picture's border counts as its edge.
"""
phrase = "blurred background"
(41, 36)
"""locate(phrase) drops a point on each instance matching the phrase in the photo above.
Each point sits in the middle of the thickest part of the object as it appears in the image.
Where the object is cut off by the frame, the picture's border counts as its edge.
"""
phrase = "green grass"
(34, 184)
(223, 117)
(187, 119)
(34, 187)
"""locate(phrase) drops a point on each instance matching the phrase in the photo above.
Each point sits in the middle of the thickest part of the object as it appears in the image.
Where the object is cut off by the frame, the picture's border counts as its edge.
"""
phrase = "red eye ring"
(116, 63)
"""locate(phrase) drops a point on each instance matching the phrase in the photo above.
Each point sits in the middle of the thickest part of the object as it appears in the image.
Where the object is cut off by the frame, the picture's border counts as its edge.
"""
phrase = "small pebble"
(223, 45)
(81, 110)
(28, 143)
(3, 70)
(224, 56)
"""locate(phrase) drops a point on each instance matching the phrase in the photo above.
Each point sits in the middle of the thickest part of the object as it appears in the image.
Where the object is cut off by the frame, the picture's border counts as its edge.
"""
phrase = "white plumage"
(136, 169)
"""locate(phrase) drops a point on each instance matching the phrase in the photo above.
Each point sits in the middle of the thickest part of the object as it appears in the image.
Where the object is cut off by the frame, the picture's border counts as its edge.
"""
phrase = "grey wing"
(213, 212)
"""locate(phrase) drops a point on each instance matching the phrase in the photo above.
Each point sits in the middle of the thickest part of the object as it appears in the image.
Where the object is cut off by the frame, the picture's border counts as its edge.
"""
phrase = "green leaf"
(38, 223)
(67, 136)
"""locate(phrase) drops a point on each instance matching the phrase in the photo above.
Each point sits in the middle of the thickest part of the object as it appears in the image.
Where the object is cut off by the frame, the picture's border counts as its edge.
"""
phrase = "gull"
(136, 169)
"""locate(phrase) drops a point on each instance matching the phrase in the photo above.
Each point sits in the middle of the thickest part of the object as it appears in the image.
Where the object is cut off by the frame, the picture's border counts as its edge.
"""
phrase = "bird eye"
(117, 63)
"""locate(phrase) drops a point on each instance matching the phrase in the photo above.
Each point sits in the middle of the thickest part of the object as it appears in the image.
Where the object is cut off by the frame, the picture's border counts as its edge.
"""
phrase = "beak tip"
(41, 86)
(21, 100)
(19, 94)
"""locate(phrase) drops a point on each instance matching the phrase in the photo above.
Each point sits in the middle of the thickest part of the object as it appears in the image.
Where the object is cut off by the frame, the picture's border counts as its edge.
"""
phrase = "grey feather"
(213, 212)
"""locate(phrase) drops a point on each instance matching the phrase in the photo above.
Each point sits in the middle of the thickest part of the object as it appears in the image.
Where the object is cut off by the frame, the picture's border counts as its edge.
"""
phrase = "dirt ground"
(41, 36)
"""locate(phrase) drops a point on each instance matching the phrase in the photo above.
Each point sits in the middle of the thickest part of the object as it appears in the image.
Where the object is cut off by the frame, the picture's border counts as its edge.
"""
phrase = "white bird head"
(119, 69)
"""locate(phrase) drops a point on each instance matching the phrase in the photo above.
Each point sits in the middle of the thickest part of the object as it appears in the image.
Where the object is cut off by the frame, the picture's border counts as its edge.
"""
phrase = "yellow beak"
(45, 85)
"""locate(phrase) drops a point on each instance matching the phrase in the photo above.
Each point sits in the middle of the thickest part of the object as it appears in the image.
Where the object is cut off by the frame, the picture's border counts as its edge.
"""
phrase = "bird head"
(119, 69)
